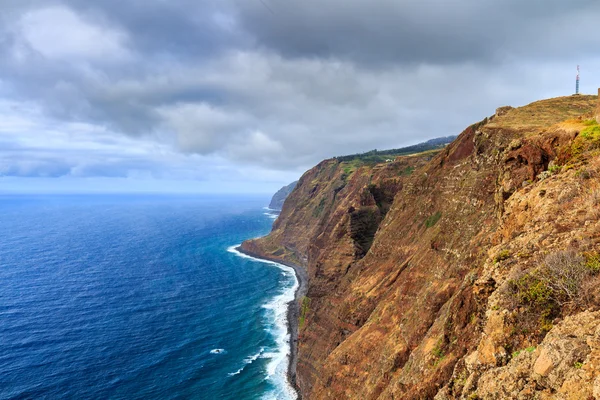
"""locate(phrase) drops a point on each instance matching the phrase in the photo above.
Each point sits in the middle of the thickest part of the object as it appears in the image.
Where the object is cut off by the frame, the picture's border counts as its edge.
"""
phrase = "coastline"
(293, 312)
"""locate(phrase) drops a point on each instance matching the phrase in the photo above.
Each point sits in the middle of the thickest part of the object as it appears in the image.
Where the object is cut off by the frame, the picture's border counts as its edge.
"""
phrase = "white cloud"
(61, 34)
(202, 128)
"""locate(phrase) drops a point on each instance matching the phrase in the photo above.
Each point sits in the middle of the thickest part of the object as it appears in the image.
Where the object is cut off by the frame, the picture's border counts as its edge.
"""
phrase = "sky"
(243, 96)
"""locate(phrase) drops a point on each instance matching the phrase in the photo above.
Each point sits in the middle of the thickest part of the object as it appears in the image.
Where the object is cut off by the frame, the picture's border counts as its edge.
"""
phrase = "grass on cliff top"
(587, 140)
(374, 157)
(545, 113)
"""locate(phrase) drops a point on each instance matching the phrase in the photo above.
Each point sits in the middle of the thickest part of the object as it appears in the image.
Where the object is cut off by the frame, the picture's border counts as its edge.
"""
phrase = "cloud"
(429, 31)
(60, 34)
(210, 90)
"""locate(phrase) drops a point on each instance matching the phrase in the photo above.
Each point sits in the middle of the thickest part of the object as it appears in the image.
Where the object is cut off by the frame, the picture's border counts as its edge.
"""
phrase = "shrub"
(533, 291)
(563, 273)
(554, 169)
(433, 219)
(592, 262)
(563, 279)
(502, 255)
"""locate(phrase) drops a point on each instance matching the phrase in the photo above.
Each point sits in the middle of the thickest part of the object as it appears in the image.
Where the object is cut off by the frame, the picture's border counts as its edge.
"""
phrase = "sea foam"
(247, 361)
(277, 367)
(270, 215)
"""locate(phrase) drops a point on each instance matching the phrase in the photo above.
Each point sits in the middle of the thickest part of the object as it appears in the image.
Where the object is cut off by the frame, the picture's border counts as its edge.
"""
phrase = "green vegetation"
(377, 157)
(592, 262)
(587, 140)
(319, 210)
(407, 171)
(304, 308)
(529, 349)
(554, 169)
(433, 219)
(438, 352)
(533, 291)
(592, 130)
(563, 279)
(578, 364)
(501, 256)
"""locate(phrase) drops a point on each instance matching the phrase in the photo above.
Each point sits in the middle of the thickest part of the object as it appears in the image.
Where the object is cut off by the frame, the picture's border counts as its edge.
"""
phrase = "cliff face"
(430, 275)
(279, 197)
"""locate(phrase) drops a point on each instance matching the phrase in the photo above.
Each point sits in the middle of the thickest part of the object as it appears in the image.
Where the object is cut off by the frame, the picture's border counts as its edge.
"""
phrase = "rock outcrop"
(442, 275)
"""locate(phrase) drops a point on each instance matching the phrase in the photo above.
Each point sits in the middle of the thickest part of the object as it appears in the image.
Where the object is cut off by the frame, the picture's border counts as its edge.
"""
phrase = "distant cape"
(280, 196)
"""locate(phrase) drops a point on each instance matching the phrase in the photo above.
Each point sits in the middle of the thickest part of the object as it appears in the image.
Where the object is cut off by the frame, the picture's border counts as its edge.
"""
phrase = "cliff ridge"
(456, 273)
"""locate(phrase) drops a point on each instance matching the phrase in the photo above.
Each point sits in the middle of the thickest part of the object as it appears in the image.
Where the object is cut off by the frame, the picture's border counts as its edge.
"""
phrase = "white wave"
(218, 351)
(247, 361)
(272, 216)
(277, 367)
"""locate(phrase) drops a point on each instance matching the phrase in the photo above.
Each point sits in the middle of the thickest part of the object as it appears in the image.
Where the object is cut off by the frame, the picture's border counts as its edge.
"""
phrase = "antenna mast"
(577, 82)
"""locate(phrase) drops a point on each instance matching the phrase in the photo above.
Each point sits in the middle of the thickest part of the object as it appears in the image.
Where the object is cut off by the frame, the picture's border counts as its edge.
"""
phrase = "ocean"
(139, 297)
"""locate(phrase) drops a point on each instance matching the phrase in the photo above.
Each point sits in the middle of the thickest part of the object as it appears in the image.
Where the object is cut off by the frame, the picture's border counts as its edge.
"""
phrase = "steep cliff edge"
(431, 273)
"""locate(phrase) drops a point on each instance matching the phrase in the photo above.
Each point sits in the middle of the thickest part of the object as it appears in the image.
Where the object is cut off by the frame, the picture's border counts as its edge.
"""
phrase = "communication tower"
(577, 82)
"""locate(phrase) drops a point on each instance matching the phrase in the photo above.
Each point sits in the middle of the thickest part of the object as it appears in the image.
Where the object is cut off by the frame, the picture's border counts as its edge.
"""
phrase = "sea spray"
(277, 368)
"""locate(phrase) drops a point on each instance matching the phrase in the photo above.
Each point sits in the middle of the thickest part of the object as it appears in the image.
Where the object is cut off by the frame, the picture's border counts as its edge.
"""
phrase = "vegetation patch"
(304, 309)
(374, 157)
(319, 209)
(587, 140)
(501, 256)
(592, 262)
(592, 130)
(438, 352)
(554, 169)
(407, 171)
(433, 219)
(562, 283)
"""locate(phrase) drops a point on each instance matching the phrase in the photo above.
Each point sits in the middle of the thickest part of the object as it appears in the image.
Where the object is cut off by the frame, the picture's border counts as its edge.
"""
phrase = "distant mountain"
(281, 195)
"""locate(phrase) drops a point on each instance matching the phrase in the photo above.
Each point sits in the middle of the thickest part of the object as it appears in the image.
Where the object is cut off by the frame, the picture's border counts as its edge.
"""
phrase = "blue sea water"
(129, 297)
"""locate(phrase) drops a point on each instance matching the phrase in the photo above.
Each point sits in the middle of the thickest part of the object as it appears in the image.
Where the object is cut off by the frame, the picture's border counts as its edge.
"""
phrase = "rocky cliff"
(470, 272)
(279, 197)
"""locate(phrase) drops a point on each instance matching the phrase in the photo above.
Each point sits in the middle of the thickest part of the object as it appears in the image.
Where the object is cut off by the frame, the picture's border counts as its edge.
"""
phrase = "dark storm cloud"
(428, 31)
(281, 83)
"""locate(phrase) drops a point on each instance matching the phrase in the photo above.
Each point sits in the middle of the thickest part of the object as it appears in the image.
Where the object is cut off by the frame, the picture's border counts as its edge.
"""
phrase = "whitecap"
(218, 351)
(247, 361)
(279, 357)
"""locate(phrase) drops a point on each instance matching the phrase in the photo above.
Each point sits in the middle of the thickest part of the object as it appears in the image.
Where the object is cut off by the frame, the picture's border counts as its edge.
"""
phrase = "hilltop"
(467, 272)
